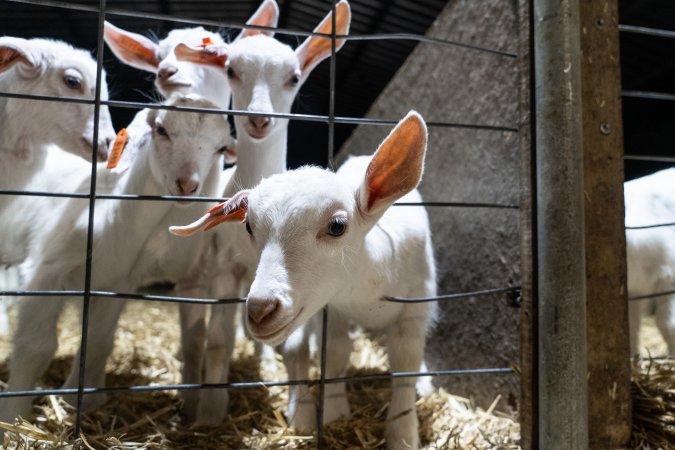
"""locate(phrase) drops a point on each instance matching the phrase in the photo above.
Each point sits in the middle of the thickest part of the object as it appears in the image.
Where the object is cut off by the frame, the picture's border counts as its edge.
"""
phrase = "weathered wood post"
(563, 413)
(581, 267)
(609, 405)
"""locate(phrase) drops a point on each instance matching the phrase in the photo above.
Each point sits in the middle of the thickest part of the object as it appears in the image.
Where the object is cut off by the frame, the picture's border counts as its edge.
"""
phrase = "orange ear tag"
(118, 148)
(206, 42)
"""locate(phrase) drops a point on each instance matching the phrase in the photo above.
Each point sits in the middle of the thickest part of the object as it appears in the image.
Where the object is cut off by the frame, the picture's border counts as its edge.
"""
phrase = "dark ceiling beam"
(164, 8)
(284, 9)
(68, 23)
(375, 24)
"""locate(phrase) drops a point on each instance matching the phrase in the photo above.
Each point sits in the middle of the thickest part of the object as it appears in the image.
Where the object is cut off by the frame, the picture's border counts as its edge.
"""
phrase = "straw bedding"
(146, 352)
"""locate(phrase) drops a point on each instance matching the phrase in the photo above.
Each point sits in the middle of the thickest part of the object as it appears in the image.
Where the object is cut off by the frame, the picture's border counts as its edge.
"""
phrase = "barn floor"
(651, 342)
(146, 353)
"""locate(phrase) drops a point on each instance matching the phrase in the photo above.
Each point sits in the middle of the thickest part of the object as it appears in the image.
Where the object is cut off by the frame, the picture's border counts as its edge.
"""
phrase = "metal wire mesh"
(649, 95)
(511, 293)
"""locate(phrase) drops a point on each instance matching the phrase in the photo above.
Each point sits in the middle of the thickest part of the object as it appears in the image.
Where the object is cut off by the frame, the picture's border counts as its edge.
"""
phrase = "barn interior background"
(477, 247)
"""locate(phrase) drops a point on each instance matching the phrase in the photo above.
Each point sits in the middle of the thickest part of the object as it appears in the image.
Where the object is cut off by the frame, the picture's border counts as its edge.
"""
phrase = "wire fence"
(649, 95)
(510, 293)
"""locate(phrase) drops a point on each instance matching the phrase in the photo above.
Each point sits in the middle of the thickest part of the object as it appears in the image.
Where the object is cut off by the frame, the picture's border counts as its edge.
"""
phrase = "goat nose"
(166, 72)
(260, 308)
(103, 146)
(259, 122)
(187, 185)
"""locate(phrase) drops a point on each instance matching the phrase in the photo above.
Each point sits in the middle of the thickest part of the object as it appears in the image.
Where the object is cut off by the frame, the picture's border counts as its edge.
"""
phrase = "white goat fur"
(651, 252)
(30, 130)
(128, 253)
(265, 76)
(171, 75)
(383, 252)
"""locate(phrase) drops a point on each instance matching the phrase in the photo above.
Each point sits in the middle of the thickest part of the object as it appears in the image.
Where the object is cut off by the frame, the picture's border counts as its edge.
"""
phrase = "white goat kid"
(180, 156)
(331, 239)
(265, 77)
(651, 252)
(29, 127)
(171, 75)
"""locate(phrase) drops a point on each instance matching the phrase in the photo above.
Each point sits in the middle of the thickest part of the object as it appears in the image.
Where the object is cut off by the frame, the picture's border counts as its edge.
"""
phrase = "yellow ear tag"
(118, 148)
(206, 42)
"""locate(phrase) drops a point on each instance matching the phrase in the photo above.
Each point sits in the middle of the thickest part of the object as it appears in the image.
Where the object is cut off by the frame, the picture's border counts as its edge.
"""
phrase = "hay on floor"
(653, 392)
(146, 352)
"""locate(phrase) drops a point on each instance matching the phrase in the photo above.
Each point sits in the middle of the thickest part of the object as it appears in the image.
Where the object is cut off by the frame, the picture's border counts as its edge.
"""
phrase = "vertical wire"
(331, 91)
(90, 228)
(322, 379)
(331, 164)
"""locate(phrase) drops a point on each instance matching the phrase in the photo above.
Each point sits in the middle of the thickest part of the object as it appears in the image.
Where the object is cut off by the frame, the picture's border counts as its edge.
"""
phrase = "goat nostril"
(259, 122)
(187, 187)
(166, 72)
(102, 153)
(260, 309)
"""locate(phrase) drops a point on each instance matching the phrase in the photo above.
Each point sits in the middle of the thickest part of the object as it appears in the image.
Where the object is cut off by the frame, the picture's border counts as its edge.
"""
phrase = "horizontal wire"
(211, 301)
(652, 158)
(173, 198)
(317, 118)
(40, 293)
(222, 24)
(655, 358)
(168, 298)
(454, 296)
(427, 39)
(648, 95)
(258, 384)
(653, 295)
(645, 227)
(647, 31)
(121, 295)
(460, 204)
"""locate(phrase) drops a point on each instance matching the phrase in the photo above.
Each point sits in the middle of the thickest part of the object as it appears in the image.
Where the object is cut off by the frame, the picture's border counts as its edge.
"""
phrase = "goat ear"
(212, 55)
(267, 15)
(317, 48)
(13, 51)
(396, 167)
(132, 48)
(232, 210)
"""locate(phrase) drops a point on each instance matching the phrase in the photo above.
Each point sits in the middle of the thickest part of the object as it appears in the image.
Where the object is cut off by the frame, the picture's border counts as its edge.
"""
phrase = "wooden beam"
(527, 409)
(606, 315)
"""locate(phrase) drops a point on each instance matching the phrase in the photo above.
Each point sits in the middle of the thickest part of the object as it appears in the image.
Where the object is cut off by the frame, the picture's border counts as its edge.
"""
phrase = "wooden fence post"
(609, 402)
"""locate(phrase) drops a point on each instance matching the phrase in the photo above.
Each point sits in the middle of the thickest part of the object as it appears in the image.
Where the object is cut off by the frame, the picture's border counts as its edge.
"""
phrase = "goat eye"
(294, 80)
(248, 228)
(230, 73)
(72, 82)
(161, 131)
(223, 149)
(337, 227)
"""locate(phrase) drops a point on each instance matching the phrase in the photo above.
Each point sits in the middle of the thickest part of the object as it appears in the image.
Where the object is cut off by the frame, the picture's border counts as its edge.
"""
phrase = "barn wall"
(475, 248)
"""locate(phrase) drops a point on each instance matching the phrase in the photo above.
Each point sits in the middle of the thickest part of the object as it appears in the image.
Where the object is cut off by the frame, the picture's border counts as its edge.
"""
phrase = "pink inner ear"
(8, 55)
(210, 56)
(266, 16)
(129, 49)
(373, 196)
(397, 165)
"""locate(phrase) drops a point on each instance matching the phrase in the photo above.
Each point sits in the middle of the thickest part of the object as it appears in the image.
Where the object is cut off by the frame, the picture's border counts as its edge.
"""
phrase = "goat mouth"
(174, 84)
(87, 147)
(258, 135)
(279, 334)
(187, 198)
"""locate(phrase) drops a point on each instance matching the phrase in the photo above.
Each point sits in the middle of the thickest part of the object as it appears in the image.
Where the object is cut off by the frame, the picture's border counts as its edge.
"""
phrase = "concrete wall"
(475, 248)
